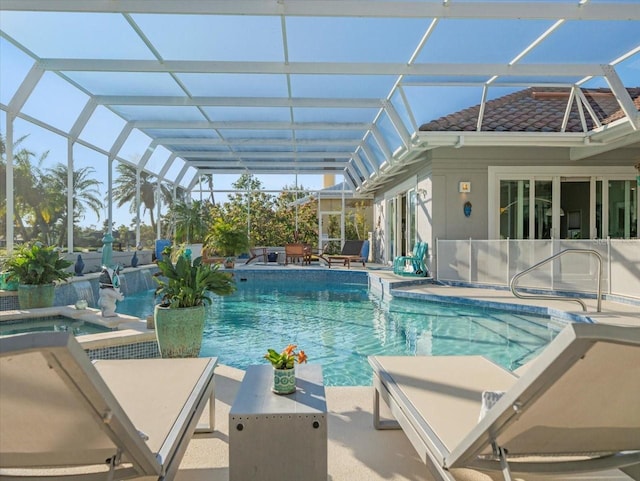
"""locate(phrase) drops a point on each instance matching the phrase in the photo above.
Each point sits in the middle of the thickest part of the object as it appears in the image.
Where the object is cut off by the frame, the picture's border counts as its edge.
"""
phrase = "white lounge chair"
(62, 416)
(575, 409)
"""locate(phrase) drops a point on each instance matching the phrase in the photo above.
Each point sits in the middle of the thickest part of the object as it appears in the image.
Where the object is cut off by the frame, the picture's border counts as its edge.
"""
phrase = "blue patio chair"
(412, 265)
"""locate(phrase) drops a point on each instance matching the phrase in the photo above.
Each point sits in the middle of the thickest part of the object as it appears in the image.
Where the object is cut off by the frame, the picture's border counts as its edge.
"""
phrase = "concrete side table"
(276, 437)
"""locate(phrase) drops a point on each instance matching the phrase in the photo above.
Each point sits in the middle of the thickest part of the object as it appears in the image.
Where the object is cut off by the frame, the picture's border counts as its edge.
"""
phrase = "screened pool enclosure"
(297, 89)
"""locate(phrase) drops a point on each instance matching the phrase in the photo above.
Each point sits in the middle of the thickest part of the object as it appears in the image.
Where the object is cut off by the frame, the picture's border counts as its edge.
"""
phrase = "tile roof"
(534, 110)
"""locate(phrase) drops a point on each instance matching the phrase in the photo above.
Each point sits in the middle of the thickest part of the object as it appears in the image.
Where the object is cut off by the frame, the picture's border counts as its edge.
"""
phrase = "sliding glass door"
(401, 223)
(567, 207)
(623, 209)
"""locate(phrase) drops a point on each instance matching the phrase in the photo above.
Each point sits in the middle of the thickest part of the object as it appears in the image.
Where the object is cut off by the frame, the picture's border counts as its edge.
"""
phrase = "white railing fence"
(495, 262)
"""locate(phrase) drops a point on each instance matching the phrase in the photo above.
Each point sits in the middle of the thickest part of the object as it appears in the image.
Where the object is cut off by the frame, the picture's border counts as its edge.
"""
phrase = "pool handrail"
(514, 280)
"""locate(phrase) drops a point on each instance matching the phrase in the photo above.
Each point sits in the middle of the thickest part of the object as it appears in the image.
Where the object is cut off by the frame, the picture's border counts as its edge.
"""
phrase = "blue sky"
(61, 110)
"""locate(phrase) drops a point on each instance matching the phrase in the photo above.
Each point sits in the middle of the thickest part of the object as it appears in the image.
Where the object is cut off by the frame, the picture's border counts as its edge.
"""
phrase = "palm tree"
(86, 194)
(125, 190)
(190, 220)
(30, 206)
(208, 180)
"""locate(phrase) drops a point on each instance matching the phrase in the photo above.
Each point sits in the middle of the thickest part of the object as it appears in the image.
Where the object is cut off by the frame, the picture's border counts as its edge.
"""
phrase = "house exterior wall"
(440, 205)
(425, 217)
(451, 166)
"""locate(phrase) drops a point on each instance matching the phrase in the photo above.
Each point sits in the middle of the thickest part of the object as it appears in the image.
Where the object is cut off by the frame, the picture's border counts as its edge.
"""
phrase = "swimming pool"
(339, 325)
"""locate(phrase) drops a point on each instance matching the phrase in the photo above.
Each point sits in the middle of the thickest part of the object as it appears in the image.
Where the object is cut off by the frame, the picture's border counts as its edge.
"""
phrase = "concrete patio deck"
(356, 451)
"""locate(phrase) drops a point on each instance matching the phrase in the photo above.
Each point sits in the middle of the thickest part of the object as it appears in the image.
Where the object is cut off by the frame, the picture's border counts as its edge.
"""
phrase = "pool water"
(340, 326)
(50, 324)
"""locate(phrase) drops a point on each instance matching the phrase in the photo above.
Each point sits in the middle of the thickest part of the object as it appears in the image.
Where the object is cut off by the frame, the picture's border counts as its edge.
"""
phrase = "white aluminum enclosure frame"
(380, 148)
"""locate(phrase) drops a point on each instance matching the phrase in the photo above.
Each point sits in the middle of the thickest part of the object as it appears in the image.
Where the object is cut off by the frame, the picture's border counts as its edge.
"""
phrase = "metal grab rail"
(515, 278)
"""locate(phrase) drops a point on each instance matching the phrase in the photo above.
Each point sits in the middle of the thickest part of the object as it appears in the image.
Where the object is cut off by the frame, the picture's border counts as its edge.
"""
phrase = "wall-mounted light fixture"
(464, 187)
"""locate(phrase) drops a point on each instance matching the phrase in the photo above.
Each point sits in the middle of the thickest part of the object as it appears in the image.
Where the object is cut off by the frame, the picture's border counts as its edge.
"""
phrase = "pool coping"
(547, 312)
(386, 284)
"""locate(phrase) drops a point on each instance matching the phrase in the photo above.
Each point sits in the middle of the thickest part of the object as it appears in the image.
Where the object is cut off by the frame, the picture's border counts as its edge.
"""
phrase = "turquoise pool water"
(339, 327)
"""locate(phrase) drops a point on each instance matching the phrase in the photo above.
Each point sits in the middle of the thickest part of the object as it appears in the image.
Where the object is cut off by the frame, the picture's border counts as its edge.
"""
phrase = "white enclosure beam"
(180, 176)
(622, 96)
(352, 170)
(190, 155)
(370, 157)
(407, 106)
(351, 177)
(120, 140)
(167, 165)
(351, 8)
(483, 103)
(70, 195)
(567, 110)
(250, 164)
(322, 68)
(249, 142)
(172, 125)
(291, 169)
(398, 124)
(147, 154)
(10, 205)
(377, 135)
(82, 119)
(361, 167)
(587, 105)
(26, 87)
(579, 153)
(178, 101)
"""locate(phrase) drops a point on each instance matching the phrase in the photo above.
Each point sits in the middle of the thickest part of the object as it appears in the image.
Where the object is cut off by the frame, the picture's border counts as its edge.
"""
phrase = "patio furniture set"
(573, 409)
(301, 253)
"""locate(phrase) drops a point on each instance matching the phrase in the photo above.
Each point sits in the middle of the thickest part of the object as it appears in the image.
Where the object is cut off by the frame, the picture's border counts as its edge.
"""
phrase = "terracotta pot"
(179, 331)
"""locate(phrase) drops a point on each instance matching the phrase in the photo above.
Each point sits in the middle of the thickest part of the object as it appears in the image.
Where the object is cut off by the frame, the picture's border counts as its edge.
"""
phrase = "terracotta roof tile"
(534, 110)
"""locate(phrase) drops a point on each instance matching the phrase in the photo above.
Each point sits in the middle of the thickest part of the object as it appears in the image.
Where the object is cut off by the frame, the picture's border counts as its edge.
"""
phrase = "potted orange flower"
(284, 373)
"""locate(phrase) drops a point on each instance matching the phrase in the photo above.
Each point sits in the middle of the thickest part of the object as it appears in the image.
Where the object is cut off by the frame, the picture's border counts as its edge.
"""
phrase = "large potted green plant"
(36, 268)
(184, 288)
(228, 240)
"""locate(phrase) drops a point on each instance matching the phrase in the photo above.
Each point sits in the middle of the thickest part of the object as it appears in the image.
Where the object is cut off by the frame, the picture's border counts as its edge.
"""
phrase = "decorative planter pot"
(179, 331)
(32, 296)
(284, 381)
(7, 285)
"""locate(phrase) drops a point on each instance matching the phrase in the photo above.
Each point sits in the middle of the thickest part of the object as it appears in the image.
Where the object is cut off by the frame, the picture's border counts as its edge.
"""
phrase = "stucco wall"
(425, 209)
(451, 166)
(440, 206)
